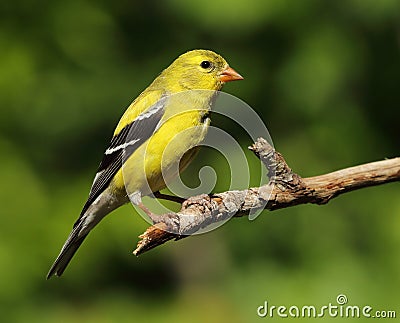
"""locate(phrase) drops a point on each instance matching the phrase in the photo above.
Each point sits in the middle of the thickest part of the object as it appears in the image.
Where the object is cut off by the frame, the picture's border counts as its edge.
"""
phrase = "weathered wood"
(284, 189)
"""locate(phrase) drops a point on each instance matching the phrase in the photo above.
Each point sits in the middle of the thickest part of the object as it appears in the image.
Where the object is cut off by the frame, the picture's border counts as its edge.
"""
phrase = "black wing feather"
(128, 139)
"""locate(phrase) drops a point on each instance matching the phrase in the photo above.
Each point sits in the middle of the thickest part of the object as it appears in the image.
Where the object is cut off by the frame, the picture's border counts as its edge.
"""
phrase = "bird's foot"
(202, 199)
(153, 217)
(170, 221)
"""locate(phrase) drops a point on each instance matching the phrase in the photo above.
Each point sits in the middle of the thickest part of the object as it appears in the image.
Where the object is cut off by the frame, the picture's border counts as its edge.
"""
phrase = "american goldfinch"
(143, 142)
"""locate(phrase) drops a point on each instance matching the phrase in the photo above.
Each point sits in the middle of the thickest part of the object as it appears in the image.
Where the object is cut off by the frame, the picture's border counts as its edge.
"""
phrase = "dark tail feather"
(68, 251)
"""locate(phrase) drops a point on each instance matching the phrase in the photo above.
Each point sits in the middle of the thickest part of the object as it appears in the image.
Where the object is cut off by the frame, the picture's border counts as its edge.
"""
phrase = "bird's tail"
(90, 217)
(72, 244)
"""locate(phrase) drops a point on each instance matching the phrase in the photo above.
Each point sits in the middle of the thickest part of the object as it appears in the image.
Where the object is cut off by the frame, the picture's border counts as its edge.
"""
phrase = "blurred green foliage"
(325, 77)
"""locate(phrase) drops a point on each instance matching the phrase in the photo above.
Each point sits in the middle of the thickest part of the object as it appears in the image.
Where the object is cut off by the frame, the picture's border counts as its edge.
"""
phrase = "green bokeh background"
(323, 75)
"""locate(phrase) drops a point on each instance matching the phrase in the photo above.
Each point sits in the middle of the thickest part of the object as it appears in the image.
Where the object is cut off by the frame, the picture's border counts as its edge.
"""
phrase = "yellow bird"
(161, 128)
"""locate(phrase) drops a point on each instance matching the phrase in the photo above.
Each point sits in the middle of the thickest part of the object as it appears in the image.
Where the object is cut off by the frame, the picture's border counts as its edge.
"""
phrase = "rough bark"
(284, 189)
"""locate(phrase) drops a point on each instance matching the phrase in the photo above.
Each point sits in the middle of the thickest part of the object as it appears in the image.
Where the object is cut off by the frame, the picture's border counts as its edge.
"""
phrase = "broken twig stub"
(285, 189)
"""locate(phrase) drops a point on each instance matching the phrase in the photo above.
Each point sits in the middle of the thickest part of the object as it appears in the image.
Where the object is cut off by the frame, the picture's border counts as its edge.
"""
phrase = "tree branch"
(284, 189)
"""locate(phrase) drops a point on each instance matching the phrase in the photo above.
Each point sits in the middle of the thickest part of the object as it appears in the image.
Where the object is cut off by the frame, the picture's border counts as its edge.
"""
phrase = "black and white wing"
(128, 139)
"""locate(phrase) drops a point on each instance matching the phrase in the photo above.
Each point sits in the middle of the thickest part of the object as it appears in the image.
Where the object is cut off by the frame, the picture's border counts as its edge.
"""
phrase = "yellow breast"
(157, 161)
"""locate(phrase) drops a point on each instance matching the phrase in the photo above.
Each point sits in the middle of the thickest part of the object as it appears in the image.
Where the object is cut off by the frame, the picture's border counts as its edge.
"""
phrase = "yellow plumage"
(182, 128)
(153, 141)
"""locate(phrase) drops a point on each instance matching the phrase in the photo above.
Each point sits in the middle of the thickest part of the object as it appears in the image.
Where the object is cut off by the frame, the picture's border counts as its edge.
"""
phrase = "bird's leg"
(153, 217)
(167, 197)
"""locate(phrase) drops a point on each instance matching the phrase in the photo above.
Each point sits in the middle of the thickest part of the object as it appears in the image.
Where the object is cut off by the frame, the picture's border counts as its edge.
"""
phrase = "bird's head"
(199, 69)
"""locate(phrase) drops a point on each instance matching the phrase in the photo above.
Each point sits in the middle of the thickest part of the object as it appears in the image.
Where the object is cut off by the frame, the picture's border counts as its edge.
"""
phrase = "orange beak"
(229, 74)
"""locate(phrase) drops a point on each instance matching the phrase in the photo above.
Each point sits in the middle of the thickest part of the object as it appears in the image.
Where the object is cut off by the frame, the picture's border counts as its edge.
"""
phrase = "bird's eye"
(205, 64)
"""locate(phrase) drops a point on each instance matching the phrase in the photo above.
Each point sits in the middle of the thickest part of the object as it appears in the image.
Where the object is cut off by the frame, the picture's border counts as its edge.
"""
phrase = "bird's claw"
(203, 200)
